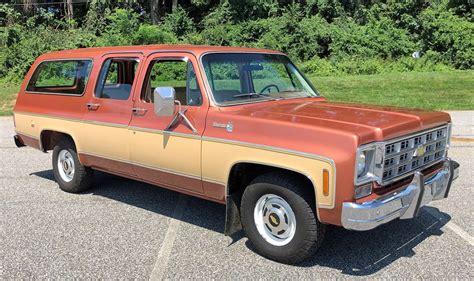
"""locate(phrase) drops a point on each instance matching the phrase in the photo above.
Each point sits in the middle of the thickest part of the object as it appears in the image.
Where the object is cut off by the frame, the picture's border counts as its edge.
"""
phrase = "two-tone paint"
(306, 135)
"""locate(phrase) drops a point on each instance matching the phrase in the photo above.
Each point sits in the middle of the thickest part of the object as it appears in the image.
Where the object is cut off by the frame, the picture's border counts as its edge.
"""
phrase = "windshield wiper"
(252, 95)
(304, 94)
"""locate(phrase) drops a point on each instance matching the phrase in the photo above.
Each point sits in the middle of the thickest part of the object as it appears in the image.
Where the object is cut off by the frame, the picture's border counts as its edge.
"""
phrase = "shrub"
(152, 34)
(449, 35)
(179, 23)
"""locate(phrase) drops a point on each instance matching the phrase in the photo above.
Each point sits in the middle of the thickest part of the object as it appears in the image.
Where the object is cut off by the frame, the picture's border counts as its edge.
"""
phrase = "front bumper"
(403, 204)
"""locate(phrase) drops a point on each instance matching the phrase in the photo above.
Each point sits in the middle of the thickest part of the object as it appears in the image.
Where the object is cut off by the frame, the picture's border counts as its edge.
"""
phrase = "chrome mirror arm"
(181, 114)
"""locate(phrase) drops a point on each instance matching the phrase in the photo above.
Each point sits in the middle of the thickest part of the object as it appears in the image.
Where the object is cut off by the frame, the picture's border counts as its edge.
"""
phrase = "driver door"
(170, 158)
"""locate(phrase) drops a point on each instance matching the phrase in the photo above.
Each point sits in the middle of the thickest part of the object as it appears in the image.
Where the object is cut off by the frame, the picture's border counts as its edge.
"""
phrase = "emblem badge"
(419, 151)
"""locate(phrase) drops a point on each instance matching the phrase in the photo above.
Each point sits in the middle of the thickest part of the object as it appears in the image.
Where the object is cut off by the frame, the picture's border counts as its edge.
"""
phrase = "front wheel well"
(49, 139)
(241, 175)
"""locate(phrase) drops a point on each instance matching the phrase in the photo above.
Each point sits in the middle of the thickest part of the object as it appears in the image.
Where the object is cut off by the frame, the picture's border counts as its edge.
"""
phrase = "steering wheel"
(268, 87)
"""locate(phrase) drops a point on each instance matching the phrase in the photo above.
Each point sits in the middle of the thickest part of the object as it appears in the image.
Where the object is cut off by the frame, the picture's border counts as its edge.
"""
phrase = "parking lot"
(127, 229)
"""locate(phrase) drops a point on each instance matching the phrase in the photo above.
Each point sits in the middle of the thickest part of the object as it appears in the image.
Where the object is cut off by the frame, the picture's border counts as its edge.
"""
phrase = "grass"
(424, 90)
(7, 98)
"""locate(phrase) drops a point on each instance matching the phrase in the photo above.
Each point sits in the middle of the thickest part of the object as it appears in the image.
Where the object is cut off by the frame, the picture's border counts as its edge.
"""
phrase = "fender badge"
(229, 127)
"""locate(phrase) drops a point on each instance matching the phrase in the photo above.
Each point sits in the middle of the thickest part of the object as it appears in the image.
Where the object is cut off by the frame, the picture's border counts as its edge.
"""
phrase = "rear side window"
(62, 77)
(116, 78)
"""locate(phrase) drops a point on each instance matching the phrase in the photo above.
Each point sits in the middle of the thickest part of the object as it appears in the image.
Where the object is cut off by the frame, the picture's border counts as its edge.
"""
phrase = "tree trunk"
(174, 5)
(69, 10)
(156, 11)
(28, 6)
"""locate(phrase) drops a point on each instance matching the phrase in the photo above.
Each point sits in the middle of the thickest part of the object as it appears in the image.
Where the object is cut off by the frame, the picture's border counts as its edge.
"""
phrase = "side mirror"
(164, 99)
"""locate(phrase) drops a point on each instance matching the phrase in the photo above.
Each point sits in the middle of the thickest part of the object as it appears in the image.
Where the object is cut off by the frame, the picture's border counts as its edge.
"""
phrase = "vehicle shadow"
(350, 252)
(199, 212)
(364, 253)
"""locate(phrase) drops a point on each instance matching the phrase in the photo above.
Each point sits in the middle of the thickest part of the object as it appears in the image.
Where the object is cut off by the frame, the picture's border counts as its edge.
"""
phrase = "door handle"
(92, 106)
(138, 110)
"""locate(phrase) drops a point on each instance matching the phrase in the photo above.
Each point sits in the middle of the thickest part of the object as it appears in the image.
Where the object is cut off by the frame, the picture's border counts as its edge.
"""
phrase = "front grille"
(405, 155)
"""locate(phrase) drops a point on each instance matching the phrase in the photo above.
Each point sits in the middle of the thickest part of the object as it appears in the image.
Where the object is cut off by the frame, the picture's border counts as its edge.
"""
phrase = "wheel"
(70, 175)
(278, 216)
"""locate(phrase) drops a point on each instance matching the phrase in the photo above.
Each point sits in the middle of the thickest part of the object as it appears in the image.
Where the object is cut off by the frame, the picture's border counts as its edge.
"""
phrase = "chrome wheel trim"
(66, 166)
(274, 219)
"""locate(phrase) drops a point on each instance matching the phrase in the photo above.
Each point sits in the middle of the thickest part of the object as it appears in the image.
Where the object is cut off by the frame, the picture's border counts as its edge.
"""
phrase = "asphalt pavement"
(123, 229)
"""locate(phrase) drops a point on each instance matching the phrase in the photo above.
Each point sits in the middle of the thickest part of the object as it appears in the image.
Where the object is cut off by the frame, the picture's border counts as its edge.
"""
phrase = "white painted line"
(451, 225)
(165, 251)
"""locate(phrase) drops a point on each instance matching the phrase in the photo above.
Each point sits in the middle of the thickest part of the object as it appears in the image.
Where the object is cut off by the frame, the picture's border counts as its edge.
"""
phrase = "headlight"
(369, 163)
(361, 163)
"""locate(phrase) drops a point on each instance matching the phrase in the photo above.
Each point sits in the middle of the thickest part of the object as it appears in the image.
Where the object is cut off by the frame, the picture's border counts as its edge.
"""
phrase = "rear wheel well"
(49, 139)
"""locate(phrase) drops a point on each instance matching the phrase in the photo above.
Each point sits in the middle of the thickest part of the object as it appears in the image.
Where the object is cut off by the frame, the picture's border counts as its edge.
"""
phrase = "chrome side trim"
(139, 164)
(163, 132)
(214, 181)
(270, 148)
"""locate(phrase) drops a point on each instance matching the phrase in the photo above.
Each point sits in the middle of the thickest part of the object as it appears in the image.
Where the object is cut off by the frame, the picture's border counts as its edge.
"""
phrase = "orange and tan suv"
(242, 127)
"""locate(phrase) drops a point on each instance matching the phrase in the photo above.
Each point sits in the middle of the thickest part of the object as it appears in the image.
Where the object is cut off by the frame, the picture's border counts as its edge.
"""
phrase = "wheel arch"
(236, 184)
(50, 137)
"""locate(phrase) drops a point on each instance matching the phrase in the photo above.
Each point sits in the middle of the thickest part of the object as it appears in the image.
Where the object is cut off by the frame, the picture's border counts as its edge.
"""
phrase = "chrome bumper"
(403, 204)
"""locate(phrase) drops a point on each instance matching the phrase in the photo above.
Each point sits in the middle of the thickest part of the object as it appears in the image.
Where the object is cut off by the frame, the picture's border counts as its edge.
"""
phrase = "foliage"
(324, 37)
(152, 34)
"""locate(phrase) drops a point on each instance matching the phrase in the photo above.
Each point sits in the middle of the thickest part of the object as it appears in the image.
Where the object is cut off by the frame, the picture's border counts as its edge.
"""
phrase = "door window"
(116, 78)
(178, 74)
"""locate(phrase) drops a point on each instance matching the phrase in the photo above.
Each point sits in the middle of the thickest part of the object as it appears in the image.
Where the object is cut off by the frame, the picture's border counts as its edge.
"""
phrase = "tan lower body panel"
(218, 158)
(152, 156)
(149, 156)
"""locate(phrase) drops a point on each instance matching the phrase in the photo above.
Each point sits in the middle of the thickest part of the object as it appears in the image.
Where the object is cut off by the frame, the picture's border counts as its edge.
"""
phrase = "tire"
(280, 191)
(69, 173)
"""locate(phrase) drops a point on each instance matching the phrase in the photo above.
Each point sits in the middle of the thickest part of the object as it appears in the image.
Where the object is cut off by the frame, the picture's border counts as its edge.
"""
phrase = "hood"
(367, 122)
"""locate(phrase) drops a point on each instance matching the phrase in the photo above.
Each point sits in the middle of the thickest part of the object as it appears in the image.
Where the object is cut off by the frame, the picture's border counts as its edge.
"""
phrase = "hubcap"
(275, 220)
(66, 165)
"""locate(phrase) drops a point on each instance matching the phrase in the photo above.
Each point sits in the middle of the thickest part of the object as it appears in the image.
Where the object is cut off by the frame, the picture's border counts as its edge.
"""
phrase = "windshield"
(244, 77)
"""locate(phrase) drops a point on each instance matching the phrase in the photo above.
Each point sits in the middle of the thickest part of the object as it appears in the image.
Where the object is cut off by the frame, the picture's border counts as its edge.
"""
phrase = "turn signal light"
(325, 182)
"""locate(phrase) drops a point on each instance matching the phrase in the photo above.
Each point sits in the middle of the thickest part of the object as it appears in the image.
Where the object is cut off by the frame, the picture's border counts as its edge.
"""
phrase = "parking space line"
(168, 242)
(451, 225)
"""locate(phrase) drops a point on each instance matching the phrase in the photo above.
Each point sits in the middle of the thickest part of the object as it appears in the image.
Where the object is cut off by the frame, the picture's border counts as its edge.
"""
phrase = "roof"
(146, 49)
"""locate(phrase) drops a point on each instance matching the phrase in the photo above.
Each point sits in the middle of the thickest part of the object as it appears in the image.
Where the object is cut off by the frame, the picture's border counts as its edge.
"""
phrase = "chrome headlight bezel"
(373, 154)
(448, 136)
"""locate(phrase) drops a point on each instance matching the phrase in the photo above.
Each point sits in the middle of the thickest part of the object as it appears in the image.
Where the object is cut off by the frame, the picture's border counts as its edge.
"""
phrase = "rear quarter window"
(62, 77)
